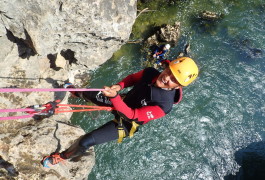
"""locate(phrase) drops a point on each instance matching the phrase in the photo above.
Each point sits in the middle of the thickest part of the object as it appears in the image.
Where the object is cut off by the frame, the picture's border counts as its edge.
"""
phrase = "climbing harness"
(122, 131)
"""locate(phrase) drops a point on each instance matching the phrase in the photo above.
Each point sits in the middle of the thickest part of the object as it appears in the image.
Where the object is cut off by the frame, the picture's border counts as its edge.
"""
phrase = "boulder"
(211, 16)
(166, 34)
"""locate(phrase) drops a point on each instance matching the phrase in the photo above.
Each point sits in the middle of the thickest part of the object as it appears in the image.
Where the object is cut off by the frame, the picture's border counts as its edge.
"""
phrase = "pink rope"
(16, 110)
(16, 117)
(45, 90)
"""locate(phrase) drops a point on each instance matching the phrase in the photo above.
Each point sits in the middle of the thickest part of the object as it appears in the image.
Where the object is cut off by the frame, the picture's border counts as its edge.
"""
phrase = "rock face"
(85, 33)
(44, 44)
(24, 143)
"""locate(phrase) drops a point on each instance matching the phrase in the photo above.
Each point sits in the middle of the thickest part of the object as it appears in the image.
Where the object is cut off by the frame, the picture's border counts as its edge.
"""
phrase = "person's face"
(167, 80)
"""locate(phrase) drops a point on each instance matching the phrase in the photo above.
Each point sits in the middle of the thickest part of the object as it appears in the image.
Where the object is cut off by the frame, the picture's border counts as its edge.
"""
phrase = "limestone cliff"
(44, 44)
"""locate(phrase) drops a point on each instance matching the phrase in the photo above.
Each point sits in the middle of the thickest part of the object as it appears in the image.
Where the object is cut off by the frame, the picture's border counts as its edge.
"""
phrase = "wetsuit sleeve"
(131, 79)
(143, 114)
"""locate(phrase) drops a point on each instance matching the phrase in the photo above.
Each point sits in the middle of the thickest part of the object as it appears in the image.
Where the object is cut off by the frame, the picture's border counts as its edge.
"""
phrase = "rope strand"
(44, 90)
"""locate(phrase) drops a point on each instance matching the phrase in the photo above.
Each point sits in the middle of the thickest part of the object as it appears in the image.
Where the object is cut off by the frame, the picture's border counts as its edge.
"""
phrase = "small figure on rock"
(160, 51)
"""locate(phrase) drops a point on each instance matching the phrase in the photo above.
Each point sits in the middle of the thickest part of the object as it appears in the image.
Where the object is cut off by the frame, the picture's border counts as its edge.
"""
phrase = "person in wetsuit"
(160, 51)
(152, 97)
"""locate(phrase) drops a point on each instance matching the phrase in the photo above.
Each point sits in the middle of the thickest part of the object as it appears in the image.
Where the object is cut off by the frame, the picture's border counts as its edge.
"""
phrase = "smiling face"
(167, 80)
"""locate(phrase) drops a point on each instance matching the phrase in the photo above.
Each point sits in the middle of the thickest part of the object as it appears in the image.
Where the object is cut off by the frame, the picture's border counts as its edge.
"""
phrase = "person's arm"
(163, 52)
(143, 114)
(131, 79)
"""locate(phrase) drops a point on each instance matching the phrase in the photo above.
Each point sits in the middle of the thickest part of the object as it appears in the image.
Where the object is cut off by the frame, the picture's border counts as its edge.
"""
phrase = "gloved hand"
(116, 87)
(108, 92)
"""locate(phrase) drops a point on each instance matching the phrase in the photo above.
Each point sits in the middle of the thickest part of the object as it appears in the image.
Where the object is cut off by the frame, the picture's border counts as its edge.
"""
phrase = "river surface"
(218, 130)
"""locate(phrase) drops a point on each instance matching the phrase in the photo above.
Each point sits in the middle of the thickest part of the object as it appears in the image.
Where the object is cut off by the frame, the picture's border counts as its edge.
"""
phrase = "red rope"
(61, 108)
(88, 108)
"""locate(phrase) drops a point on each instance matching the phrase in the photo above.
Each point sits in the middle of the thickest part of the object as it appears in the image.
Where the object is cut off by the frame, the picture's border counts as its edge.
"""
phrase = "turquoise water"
(221, 120)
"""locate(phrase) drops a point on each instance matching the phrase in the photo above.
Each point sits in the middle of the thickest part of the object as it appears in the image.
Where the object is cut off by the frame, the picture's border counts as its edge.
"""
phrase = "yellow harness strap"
(121, 134)
(133, 129)
(121, 131)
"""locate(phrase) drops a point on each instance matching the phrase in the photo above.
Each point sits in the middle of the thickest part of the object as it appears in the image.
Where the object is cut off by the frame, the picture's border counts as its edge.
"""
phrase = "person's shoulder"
(151, 71)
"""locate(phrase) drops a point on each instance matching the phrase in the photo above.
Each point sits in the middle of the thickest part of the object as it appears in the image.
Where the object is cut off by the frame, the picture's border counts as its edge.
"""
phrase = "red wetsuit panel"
(145, 113)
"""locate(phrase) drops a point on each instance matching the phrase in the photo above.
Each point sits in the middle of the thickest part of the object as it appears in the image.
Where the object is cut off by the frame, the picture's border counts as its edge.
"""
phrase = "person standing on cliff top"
(152, 97)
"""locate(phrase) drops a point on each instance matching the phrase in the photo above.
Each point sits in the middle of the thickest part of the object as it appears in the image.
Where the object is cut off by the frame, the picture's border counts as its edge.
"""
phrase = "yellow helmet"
(184, 69)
